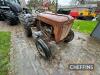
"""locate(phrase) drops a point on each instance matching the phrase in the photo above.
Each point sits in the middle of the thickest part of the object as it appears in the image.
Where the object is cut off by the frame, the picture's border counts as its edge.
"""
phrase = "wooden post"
(56, 6)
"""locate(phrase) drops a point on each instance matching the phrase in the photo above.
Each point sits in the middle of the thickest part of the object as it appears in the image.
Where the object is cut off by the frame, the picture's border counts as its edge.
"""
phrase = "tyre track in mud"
(26, 63)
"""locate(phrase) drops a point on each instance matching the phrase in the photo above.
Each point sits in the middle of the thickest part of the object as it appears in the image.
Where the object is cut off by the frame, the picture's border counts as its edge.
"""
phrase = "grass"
(4, 52)
(84, 26)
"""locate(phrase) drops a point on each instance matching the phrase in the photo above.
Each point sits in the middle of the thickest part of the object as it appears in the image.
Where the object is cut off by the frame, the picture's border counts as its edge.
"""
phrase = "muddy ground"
(25, 60)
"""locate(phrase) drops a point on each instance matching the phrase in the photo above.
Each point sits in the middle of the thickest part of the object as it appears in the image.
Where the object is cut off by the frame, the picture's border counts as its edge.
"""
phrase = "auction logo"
(81, 66)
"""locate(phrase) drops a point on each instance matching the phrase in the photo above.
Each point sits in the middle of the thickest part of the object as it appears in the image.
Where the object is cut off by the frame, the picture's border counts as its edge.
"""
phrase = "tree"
(34, 3)
(82, 1)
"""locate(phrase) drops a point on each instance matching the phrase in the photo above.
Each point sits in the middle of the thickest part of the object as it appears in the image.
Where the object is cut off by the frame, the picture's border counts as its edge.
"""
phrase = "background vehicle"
(9, 12)
(80, 9)
(84, 14)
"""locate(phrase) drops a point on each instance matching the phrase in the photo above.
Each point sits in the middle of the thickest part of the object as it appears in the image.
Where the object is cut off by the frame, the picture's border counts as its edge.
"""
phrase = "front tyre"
(70, 37)
(43, 48)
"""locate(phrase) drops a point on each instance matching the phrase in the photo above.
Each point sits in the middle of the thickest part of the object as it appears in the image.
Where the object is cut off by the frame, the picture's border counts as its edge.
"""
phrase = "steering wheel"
(37, 11)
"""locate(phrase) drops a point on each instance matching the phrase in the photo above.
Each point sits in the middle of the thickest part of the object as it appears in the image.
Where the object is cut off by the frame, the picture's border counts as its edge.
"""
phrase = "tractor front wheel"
(70, 37)
(43, 48)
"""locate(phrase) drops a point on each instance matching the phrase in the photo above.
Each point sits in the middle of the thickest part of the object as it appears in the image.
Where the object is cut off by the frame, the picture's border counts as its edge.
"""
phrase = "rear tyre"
(70, 37)
(43, 49)
(2, 18)
(28, 32)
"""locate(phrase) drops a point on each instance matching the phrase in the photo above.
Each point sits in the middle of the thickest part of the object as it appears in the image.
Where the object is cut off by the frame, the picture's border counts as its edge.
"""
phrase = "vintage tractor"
(9, 12)
(49, 27)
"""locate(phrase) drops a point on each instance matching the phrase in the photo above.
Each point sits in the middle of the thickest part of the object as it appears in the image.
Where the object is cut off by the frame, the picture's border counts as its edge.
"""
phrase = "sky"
(64, 2)
(26, 1)
(60, 2)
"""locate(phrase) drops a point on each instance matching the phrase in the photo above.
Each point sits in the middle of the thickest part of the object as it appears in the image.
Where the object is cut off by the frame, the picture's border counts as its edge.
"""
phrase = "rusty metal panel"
(96, 32)
(61, 24)
(65, 31)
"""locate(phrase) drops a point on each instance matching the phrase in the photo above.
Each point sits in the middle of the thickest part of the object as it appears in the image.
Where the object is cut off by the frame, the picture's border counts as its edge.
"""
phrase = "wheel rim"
(40, 50)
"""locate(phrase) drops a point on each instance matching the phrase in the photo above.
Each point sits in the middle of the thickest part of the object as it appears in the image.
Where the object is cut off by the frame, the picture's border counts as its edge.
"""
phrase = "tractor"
(48, 27)
(9, 12)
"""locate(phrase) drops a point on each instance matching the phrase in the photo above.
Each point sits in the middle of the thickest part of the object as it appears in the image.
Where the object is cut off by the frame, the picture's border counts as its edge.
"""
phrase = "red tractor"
(49, 27)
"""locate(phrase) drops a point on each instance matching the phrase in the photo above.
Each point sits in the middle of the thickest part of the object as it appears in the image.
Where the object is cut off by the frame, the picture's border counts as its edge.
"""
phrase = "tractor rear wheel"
(28, 32)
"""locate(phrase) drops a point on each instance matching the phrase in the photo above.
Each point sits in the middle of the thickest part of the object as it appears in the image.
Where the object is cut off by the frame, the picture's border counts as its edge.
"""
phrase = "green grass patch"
(84, 26)
(4, 52)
